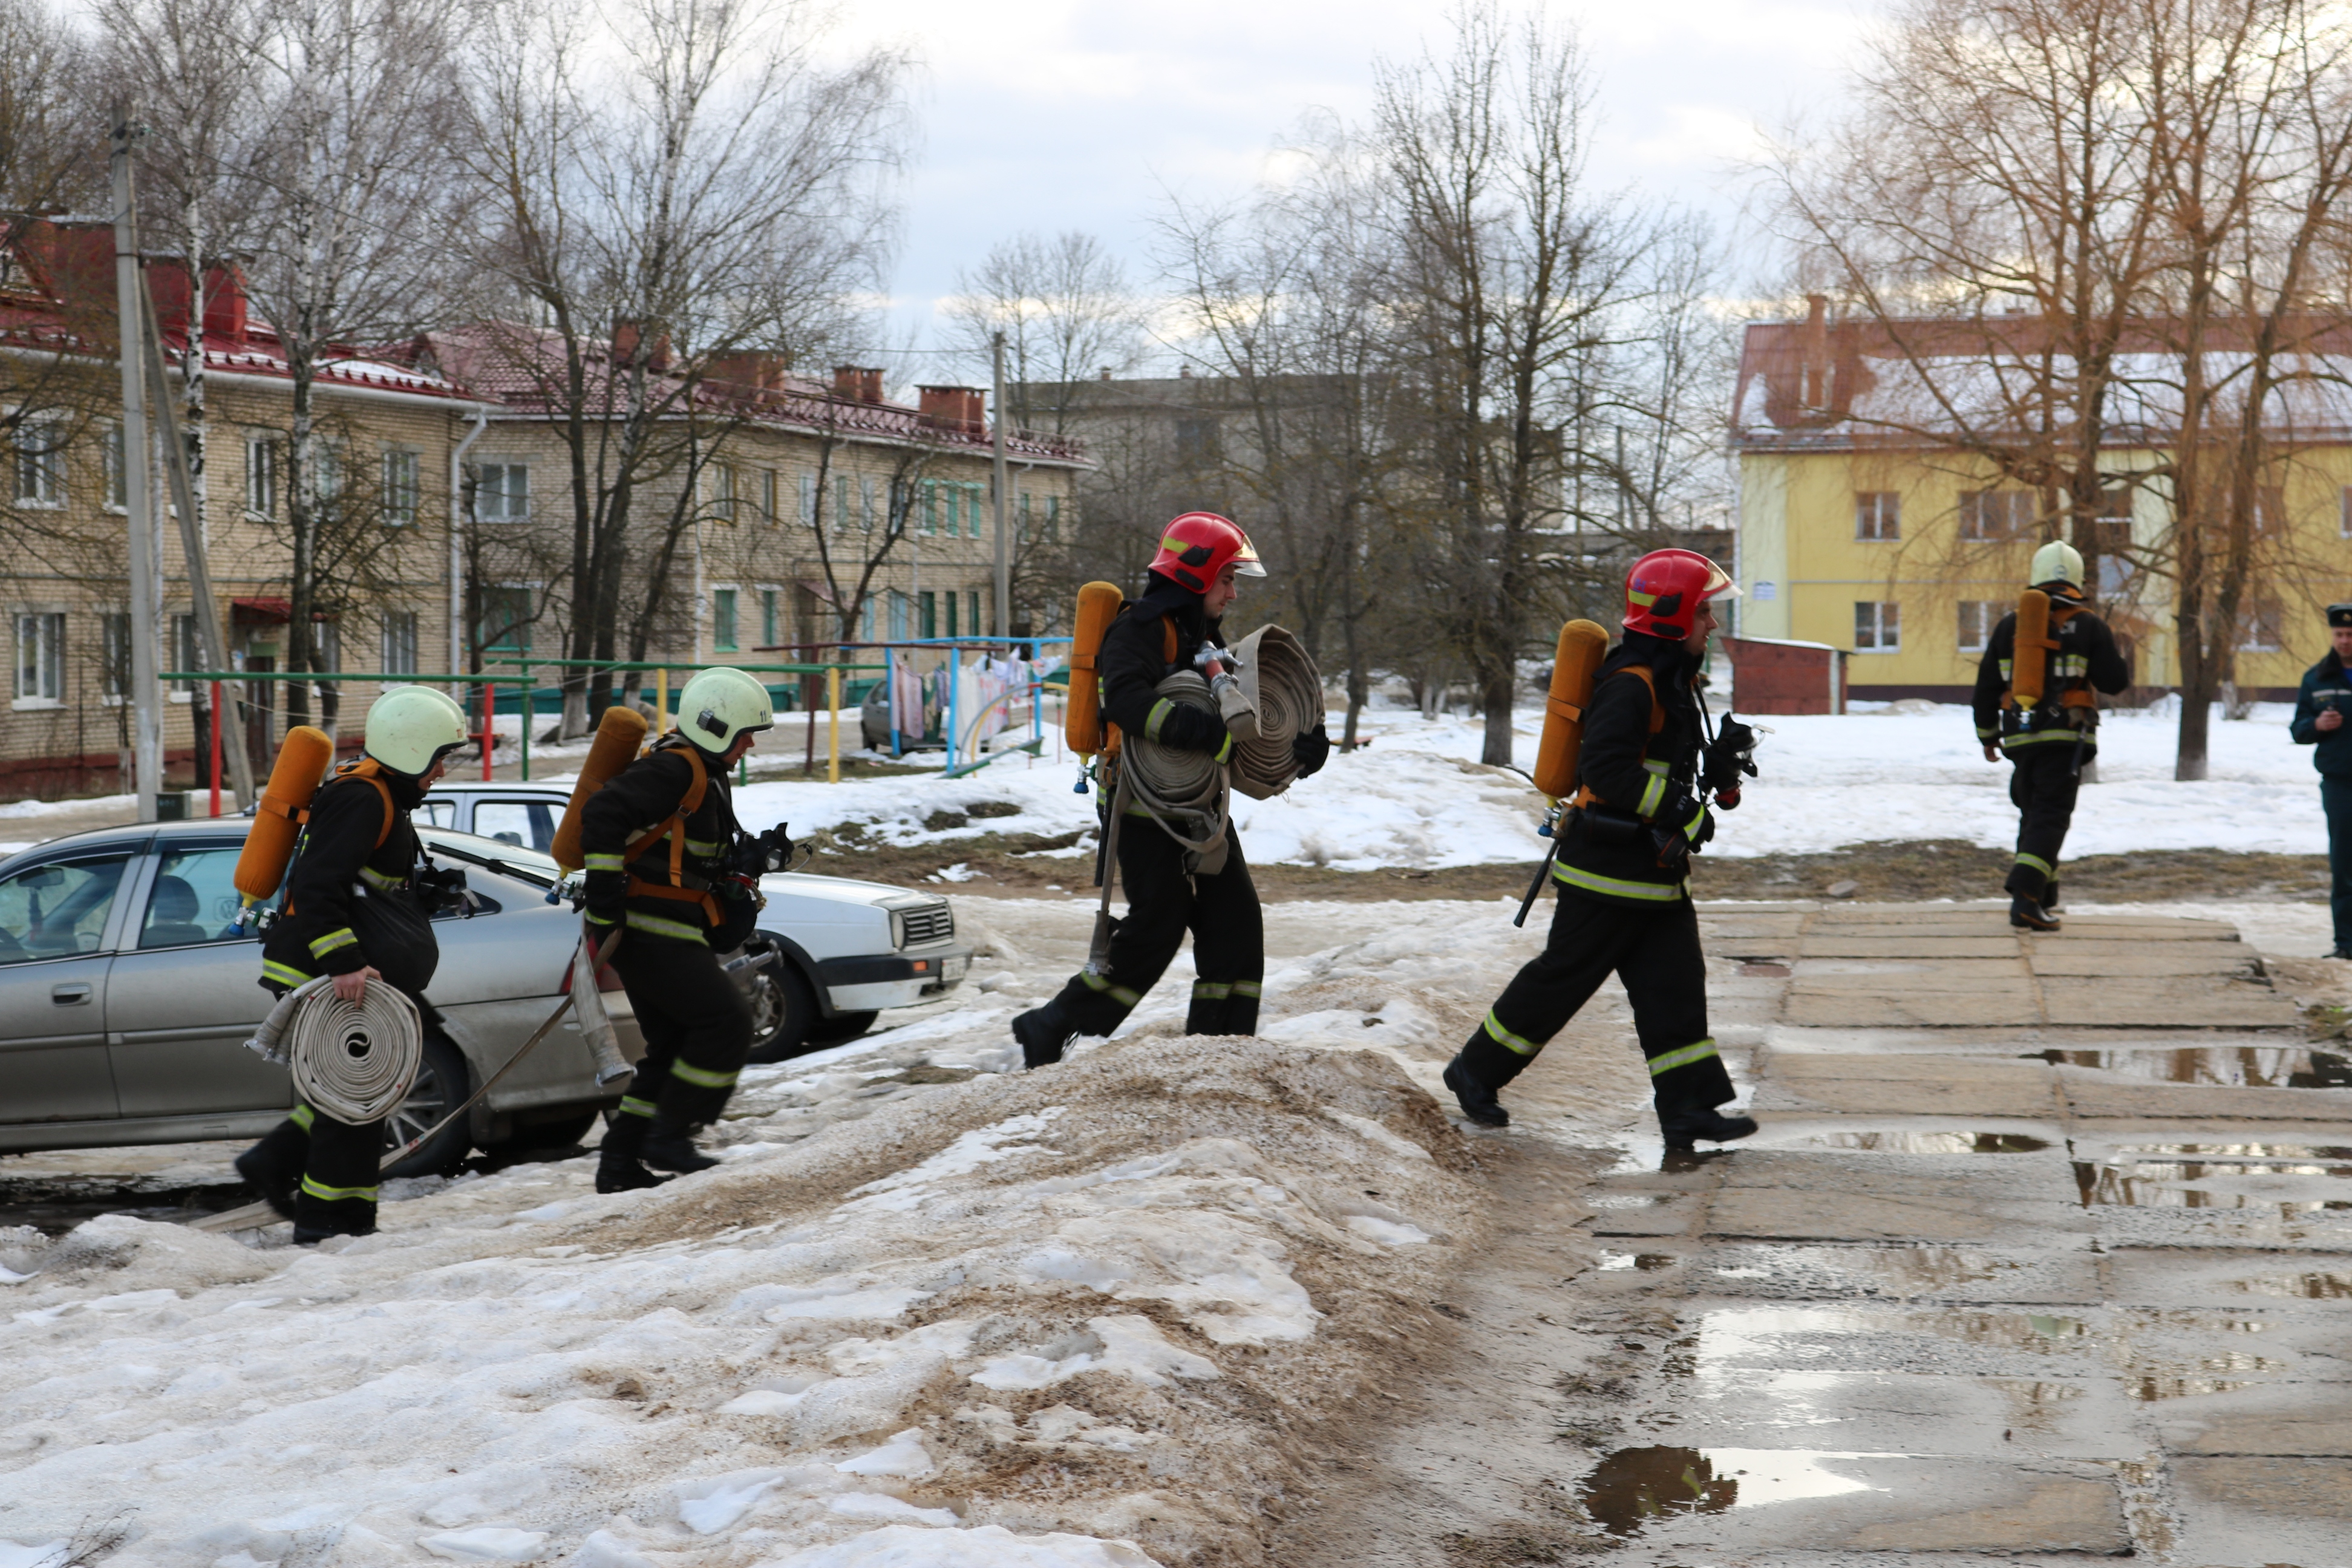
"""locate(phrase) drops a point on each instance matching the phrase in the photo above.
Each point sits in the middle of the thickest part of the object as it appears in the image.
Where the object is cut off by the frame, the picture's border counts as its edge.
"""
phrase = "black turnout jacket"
(323, 931)
(1635, 773)
(639, 798)
(1134, 660)
(2086, 657)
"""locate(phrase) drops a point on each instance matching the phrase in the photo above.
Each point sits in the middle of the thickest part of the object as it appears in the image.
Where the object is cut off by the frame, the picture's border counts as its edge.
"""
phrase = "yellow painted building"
(1908, 555)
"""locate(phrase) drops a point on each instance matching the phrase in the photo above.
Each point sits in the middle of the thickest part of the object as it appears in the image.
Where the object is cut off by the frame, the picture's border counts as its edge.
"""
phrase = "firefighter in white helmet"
(351, 910)
(2048, 740)
(666, 861)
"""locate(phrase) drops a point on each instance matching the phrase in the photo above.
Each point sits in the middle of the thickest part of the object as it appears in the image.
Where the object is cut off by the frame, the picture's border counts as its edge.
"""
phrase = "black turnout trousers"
(1163, 904)
(1653, 948)
(338, 1161)
(2042, 788)
(695, 1022)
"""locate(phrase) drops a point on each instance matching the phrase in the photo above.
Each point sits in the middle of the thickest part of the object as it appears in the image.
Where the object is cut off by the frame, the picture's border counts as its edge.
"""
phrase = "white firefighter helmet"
(2056, 562)
(410, 728)
(720, 704)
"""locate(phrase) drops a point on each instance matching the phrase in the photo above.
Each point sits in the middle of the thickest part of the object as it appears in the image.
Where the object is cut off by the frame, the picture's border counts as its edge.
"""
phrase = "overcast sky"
(1046, 115)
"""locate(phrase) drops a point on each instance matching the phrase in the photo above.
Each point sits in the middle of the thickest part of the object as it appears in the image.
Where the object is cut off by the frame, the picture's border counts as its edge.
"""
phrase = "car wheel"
(441, 1085)
(840, 1028)
(783, 1009)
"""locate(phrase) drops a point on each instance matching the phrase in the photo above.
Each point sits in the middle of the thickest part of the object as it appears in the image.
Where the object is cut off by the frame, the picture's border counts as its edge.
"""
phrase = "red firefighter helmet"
(1666, 588)
(1198, 545)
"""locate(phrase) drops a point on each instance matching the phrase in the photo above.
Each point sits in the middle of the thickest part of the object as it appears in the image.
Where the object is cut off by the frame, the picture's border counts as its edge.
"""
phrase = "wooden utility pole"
(1003, 510)
(146, 602)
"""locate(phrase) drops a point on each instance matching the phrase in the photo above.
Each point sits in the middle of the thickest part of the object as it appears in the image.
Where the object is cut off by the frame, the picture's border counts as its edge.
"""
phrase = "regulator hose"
(353, 1061)
(1184, 791)
(1284, 691)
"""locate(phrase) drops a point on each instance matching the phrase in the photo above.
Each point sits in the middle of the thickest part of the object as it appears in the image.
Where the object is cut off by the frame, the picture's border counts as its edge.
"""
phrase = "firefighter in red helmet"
(1623, 866)
(1192, 580)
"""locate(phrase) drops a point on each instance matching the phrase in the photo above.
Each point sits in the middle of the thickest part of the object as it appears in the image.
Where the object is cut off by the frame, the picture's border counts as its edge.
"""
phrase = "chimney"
(762, 369)
(1106, 373)
(1814, 388)
(959, 408)
(625, 337)
(224, 302)
(857, 383)
(1183, 373)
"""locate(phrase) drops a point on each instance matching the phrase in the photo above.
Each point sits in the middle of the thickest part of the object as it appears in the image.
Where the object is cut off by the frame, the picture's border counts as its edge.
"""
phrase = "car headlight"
(898, 929)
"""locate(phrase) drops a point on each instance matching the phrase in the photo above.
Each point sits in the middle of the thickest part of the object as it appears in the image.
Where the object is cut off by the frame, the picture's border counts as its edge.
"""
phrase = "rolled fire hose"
(1185, 792)
(353, 1061)
(1284, 692)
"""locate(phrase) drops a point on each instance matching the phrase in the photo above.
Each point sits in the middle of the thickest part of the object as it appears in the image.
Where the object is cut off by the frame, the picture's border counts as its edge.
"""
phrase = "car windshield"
(512, 859)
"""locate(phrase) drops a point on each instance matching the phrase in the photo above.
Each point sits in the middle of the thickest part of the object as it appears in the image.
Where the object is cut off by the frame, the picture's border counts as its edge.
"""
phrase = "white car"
(845, 950)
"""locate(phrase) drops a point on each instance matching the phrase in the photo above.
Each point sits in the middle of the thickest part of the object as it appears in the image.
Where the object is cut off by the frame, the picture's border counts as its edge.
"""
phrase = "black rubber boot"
(2050, 896)
(1690, 1126)
(620, 1164)
(2026, 914)
(271, 1179)
(1043, 1032)
(1479, 1102)
(669, 1139)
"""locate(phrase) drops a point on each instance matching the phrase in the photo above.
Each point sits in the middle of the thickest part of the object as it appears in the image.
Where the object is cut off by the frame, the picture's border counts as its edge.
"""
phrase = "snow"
(1417, 797)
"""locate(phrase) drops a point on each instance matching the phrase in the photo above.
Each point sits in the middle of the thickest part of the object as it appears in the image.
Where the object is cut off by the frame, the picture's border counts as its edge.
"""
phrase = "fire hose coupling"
(1211, 657)
(1549, 827)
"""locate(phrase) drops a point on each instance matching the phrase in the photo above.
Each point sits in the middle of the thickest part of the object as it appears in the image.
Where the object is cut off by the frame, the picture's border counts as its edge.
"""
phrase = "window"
(722, 494)
(327, 636)
(114, 654)
(401, 487)
(1053, 520)
(59, 908)
(865, 621)
(187, 653)
(41, 463)
(930, 506)
(1878, 514)
(262, 475)
(1877, 627)
(40, 659)
(972, 499)
(114, 480)
(399, 642)
(326, 471)
(503, 493)
(977, 627)
(952, 615)
(1023, 533)
(898, 618)
(2260, 627)
(1196, 441)
(1978, 618)
(1996, 514)
(841, 518)
(2344, 512)
(866, 502)
(503, 624)
(526, 823)
(768, 637)
(194, 899)
(768, 496)
(722, 620)
(808, 499)
(930, 614)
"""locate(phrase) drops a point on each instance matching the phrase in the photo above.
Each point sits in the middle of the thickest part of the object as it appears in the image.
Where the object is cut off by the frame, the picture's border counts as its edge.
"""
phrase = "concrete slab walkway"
(2045, 1251)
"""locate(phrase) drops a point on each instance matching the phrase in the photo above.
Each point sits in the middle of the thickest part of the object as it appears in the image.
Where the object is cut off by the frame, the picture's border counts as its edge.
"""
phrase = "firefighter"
(658, 843)
(2047, 742)
(1192, 582)
(352, 911)
(1623, 870)
(2318, 723)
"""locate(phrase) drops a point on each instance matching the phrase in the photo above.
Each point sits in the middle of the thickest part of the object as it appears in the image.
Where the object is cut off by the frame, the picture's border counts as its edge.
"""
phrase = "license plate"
(953, 968)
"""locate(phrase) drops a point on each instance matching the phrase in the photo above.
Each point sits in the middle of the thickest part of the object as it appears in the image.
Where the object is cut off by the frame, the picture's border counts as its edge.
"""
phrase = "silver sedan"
(127, 992)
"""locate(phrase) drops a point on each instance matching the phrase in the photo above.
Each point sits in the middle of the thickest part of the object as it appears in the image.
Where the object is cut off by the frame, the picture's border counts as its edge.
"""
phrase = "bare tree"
(696, 183)
(1067, 314)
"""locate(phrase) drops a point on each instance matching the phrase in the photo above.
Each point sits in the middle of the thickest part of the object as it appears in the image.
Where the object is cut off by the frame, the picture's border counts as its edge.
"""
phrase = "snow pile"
(1090, 1316)
(1416, 796)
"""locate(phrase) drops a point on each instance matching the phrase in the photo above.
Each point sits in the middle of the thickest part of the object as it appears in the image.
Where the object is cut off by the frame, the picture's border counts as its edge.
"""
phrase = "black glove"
(1730, 756)
(755, 855)
(1680, 827)
(1310, 751)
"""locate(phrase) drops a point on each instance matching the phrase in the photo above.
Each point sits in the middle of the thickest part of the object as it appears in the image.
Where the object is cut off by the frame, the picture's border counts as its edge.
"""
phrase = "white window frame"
(51, 623)
(185, 647)
(770, 495)
(396, 638)
(505, 467)
(866, 490)
(113, 625)
(1877, 516)
(1884, 626)
(1988, 613)
(808, 499)
(718, 490)
(402, 511)
(261, 473)
(113, 474)
(772, 613)
(38, 473)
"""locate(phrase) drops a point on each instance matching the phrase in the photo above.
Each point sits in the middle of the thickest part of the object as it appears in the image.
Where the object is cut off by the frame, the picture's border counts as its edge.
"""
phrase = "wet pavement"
(2045, 1251)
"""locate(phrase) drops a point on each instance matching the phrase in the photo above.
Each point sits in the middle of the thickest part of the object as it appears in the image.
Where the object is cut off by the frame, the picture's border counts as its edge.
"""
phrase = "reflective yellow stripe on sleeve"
(602, 863)
(324, 945)
(1653, 793)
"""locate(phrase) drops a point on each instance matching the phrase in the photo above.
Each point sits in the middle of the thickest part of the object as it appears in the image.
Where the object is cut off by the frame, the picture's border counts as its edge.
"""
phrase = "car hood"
(811, 890)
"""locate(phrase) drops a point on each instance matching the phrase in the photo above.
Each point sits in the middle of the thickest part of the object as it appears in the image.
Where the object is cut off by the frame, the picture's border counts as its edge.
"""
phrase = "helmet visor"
(1245, 562)
(1720, 585)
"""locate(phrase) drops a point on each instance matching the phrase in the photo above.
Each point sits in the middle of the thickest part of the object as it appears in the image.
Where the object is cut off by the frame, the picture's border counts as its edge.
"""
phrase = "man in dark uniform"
(1193, 582)
(1623, 867)
(2047, 745)
(2319, 723)
(352, 911)
(656, 844)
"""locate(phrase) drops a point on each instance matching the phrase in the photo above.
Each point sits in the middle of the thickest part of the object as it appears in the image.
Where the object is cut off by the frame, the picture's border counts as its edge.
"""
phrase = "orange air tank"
(1082, 727)
(303, 759)
(1582, 646)
(620, 736)
(2029, 654)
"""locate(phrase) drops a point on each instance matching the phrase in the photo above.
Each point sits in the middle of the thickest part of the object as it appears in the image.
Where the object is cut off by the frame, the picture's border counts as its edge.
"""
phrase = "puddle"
(2180, 1183)
(1924, 1143)
(2312, 1287)
(1647, 1262)
(1633, 1487)
(2228, 1153)
(1770, 971)
(2150, 1390)
(2222, 1066)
